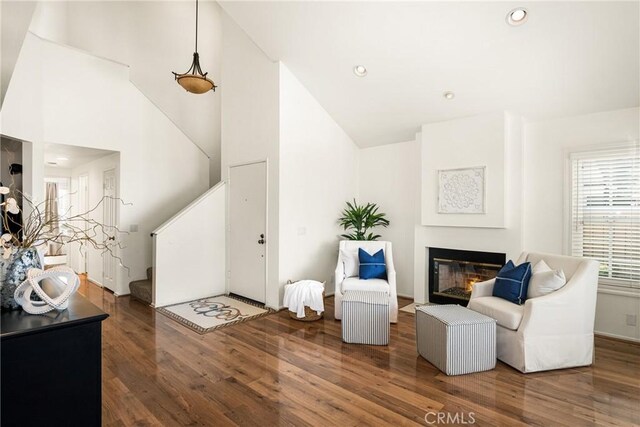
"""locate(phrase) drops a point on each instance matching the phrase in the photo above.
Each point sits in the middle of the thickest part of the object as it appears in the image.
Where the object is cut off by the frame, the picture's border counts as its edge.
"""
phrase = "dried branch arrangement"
(37, 228)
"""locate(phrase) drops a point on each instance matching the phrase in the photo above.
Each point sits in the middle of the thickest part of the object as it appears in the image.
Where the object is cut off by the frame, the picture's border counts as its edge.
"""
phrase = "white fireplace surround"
(498, 144)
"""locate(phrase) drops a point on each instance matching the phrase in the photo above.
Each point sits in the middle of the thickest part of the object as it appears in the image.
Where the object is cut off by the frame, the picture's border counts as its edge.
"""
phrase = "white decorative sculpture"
(62, 277)
(461, 191)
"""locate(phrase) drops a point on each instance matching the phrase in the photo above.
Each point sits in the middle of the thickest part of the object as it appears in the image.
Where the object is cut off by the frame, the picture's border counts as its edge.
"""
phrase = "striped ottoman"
(365, 317)
(455, 339)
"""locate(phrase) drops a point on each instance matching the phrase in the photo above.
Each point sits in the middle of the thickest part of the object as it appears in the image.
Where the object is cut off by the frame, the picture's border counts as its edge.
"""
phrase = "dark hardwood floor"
(277, 371)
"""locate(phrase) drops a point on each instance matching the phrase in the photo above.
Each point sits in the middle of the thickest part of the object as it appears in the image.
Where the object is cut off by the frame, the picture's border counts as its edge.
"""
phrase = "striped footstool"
(365, 317)
(455, 339)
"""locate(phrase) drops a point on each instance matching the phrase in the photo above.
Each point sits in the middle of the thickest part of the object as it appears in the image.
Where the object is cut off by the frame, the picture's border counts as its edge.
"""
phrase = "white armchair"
(553, 331)
(344, 283)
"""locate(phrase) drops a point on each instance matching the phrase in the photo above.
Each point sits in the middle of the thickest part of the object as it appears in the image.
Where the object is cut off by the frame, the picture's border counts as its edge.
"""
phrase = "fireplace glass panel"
(455, 278)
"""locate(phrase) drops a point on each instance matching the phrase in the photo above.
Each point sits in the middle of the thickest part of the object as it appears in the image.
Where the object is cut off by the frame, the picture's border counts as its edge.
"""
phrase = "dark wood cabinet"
(51, 366)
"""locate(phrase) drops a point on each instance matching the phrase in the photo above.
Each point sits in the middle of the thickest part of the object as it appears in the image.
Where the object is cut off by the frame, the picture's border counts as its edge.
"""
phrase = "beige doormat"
(208, 314)
(411, 308)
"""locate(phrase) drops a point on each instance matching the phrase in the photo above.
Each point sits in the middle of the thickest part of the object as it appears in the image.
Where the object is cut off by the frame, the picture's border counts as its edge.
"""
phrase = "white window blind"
(605, 211)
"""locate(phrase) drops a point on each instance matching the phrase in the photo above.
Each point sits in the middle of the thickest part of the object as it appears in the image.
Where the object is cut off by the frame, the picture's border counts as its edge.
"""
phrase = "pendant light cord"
(196, 26)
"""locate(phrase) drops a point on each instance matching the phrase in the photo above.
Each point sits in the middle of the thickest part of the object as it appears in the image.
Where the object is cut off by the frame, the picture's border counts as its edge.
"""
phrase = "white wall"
(250, 127)
(612, 309)
(463, 143)
(100, 108)
(153, 38)
(312, 163)
(95, 173)
(318, 174)
(390, 177)
(189, 251)
(32, 173)
(546, 146)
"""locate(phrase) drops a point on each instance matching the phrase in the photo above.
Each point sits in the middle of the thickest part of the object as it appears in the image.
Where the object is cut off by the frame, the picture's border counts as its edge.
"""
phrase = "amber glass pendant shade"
(194, 80)
(195, 84)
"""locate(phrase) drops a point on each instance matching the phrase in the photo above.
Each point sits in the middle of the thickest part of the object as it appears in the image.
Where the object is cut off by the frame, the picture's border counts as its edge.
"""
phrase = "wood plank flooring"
(276, 371)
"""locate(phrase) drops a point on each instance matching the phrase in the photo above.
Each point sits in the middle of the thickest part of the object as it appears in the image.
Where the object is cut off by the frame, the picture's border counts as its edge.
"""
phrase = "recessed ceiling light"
(360, 70)
(449, 95)
(517, 16)
(62, 159)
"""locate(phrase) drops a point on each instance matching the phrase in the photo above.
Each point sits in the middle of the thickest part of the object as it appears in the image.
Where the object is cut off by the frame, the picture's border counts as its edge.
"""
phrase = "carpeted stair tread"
(141, 289)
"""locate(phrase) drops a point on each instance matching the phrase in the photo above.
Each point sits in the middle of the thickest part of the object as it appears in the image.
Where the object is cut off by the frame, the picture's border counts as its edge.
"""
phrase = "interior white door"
(110, 219)
(247, 230)
(83, 206)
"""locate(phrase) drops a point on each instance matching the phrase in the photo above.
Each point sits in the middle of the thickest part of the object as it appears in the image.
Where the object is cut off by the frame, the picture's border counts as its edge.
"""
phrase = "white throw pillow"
(350, 262)
(540, 267)
(544, 280)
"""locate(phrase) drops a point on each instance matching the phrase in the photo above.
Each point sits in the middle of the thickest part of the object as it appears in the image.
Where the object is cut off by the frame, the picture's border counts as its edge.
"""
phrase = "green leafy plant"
(360, 219)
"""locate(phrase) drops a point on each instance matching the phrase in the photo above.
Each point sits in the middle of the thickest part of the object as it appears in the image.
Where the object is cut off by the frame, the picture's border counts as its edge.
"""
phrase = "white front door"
(110, 219)
(247, 230)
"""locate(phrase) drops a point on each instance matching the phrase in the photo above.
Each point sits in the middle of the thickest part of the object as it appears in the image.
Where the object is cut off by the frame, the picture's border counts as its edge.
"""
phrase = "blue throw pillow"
(372, 266)
(512, 282)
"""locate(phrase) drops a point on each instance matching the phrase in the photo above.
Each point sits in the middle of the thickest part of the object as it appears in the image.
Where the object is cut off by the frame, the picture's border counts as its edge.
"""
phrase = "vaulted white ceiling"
(569, 58)
(152, 37)
(15, 18)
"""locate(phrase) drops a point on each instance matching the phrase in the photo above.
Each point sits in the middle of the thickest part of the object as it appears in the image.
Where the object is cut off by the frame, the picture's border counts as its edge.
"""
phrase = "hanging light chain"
(196, 25)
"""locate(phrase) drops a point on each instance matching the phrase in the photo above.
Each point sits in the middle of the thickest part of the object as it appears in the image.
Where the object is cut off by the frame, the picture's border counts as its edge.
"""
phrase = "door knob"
(261, 241)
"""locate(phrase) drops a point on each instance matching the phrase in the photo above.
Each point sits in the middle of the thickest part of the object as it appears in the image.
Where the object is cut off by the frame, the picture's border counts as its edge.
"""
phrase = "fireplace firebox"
(452, 273)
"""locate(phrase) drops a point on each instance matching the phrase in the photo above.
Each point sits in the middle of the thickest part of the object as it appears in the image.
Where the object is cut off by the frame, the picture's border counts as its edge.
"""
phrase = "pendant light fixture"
(194, 80)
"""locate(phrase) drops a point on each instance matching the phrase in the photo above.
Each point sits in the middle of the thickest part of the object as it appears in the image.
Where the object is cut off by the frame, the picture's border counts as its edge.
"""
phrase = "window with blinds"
(605, 211)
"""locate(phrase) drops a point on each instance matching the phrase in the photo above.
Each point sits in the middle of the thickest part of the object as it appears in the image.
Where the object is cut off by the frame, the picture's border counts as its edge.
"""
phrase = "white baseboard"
(616, 336)
(95, 282)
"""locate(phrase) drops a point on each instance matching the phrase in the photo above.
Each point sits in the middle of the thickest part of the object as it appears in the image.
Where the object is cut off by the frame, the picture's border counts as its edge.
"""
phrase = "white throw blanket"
(304, 293)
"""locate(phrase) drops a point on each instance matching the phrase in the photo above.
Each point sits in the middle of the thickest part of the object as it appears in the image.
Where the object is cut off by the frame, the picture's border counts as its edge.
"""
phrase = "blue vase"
(13, 272)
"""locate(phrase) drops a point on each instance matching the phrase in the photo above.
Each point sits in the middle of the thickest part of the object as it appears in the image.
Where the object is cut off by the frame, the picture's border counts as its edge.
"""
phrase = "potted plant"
(359, 219)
